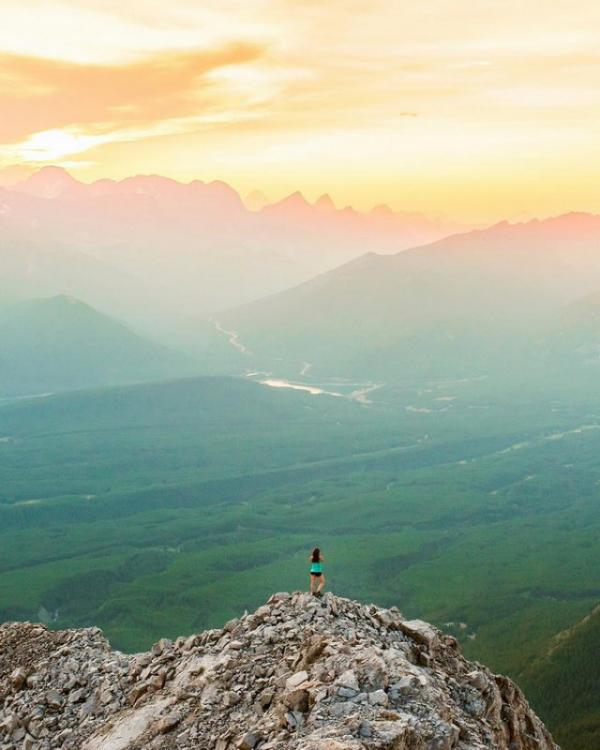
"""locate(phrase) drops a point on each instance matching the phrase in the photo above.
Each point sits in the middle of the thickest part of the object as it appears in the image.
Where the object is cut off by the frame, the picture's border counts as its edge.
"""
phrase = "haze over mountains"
(464, 306)
(161, 257)
(58, 343)
(158, 252)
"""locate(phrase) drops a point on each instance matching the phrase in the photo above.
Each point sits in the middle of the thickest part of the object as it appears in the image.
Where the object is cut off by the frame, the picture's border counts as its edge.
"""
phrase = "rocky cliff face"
(306, 673)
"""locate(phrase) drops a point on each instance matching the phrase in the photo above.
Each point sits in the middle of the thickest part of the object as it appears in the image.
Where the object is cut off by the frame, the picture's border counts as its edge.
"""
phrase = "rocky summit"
(300, 672)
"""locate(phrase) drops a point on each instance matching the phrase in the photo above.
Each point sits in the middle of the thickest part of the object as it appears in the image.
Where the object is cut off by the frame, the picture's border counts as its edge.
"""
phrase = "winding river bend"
(360, 392)
(232, 336)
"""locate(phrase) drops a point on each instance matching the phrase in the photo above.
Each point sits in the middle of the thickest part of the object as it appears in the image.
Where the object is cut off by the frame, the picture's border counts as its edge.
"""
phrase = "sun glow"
(443, 107)
(54, 145)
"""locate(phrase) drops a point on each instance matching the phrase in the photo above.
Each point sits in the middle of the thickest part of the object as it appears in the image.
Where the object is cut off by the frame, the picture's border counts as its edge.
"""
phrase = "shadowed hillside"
(61, 343)
(573, 663)
(482, 303)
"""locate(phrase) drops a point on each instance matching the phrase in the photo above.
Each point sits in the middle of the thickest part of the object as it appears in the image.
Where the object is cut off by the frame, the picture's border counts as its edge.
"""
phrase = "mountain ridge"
(568, 660)
(465, 300)
(51, 181)
(189, 249)
(59, 342)
(299, 672)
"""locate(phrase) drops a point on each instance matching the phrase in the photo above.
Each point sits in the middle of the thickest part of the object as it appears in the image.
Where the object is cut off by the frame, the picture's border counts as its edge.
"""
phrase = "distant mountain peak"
(570, 219)
(382, 210)
(224, 187)
(53, 171)
(325, 203)
(152, 184)
(61, 343)
(577, 220)
(294, 199)
(50, 182)
(66, 299)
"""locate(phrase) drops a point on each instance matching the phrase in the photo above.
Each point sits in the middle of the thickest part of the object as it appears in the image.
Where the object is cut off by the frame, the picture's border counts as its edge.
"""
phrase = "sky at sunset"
(471, 109)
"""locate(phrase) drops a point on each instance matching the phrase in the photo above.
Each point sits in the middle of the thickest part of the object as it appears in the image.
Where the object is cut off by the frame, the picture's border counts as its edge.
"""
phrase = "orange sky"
(474, 109)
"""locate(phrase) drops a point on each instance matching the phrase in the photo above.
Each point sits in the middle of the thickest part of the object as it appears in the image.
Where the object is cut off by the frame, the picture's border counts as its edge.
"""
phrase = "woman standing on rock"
(317, 577)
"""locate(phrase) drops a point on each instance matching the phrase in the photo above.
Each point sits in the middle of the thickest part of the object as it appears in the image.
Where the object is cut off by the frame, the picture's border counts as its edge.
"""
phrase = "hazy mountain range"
(459, 307)
(60, 343)
(155, 257)
(158, 252)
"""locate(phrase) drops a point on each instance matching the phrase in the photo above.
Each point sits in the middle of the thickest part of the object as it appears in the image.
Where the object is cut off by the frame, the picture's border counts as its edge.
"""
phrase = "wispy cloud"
(324, 94)
(39, 95)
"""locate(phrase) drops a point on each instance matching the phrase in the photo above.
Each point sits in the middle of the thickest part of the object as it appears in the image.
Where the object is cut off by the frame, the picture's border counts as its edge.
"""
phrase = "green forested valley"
(162, 509)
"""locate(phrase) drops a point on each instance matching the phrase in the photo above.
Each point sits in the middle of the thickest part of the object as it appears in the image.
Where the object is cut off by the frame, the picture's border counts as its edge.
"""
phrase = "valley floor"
(163, 510)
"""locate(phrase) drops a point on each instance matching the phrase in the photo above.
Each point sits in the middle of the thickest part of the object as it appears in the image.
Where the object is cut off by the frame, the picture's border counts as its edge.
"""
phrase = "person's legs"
(312, 583)
(321, 583)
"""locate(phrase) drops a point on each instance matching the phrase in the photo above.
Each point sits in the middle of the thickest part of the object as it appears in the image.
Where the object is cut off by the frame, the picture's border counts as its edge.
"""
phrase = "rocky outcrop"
(300, 672)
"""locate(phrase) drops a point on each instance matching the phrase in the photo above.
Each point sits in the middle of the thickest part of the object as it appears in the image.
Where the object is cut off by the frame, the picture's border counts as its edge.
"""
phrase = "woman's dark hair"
(316, 555)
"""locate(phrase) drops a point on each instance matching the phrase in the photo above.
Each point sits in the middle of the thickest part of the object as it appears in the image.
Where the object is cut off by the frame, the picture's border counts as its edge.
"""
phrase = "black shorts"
(317, 575)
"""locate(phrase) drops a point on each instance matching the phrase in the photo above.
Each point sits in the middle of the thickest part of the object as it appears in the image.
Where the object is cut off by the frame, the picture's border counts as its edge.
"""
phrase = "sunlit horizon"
(468, 111)
(15, 177)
